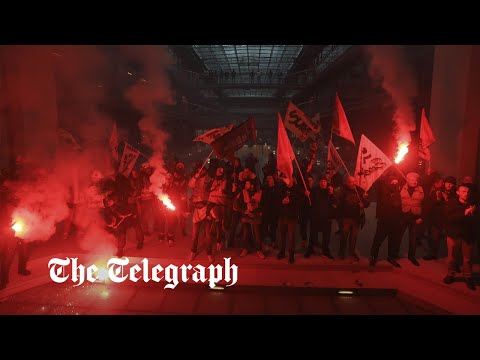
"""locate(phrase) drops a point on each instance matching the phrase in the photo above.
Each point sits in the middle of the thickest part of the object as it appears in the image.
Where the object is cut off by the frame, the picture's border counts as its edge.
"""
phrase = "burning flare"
(102, 273)
(18, 227)
(401, 152)
(166, 201)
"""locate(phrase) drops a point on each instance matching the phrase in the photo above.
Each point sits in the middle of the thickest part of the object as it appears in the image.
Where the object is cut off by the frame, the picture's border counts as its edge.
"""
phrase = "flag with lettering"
(316, 122)
(299, 123)
(371, 163)
(226, 145)
(213, 134)
(129, 158)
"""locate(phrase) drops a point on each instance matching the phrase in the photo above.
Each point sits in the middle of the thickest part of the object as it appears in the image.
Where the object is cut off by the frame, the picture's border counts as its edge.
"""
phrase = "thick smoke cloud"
(147, 96)
(390, 66)
(82, 77)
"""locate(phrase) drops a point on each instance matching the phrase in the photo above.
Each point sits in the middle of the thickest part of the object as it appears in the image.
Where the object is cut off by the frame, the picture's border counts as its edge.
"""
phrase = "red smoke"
(147, 95)
(96, 239)
(39, 208)
(389, 64)
(62, 87)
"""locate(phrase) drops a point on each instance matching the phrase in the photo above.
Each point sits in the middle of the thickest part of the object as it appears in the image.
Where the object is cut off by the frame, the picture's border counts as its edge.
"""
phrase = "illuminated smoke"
(59, 89)
(39, 208)
(74, 81)
(389, 65)
(148, 94)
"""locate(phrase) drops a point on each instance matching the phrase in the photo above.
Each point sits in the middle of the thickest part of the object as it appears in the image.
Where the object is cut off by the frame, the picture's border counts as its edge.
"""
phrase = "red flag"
(340, 125)
(426, 138)
(334, 161)
(129, 157)
(213, 134)
(426, 133)
(285, 154)
(226, 145)
(298, 123)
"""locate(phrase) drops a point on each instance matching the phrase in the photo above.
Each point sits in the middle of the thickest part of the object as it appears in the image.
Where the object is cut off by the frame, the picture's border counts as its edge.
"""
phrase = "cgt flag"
(371, 163)
(226, 145)
(299, 123)
(129, 158)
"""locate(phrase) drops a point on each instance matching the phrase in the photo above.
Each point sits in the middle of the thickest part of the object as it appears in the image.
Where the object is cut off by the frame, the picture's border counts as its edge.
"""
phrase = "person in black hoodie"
(305, 210)
(321, 215)
(389, 210)
(270, 211)
(433, 210)
(289, 197)
(118, 219)
(352, 200)
(461, 219)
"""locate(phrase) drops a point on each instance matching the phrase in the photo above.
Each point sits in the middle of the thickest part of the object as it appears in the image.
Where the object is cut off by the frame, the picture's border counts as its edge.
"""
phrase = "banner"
(129, 158)
(316, 122)
(371, 163)
(299, 123)
(226, 145)
(213, 134)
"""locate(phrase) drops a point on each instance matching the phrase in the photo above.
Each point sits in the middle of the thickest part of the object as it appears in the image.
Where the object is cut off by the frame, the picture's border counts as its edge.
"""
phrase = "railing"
(263, 79)
(227, 78)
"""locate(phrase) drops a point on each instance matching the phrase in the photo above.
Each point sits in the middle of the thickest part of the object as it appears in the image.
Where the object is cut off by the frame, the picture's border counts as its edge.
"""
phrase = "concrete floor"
(90, 299)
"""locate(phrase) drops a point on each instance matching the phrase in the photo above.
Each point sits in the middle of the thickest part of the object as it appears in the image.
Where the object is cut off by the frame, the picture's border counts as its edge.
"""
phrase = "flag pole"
(301, 175)
(348, 173)
(396, 167)
(147, 157)
(205, 162)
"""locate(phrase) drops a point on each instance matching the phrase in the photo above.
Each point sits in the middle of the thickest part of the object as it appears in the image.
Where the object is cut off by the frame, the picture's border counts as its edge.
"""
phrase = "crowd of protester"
(231, 207)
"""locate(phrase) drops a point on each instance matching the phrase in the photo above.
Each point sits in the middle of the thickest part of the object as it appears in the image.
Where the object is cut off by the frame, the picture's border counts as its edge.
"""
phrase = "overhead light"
(129, 73)
(345, 292)
(217, 287)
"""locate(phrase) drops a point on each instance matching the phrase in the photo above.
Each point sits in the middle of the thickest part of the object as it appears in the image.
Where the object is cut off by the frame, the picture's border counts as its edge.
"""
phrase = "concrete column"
(29, 104)
(455, 109)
